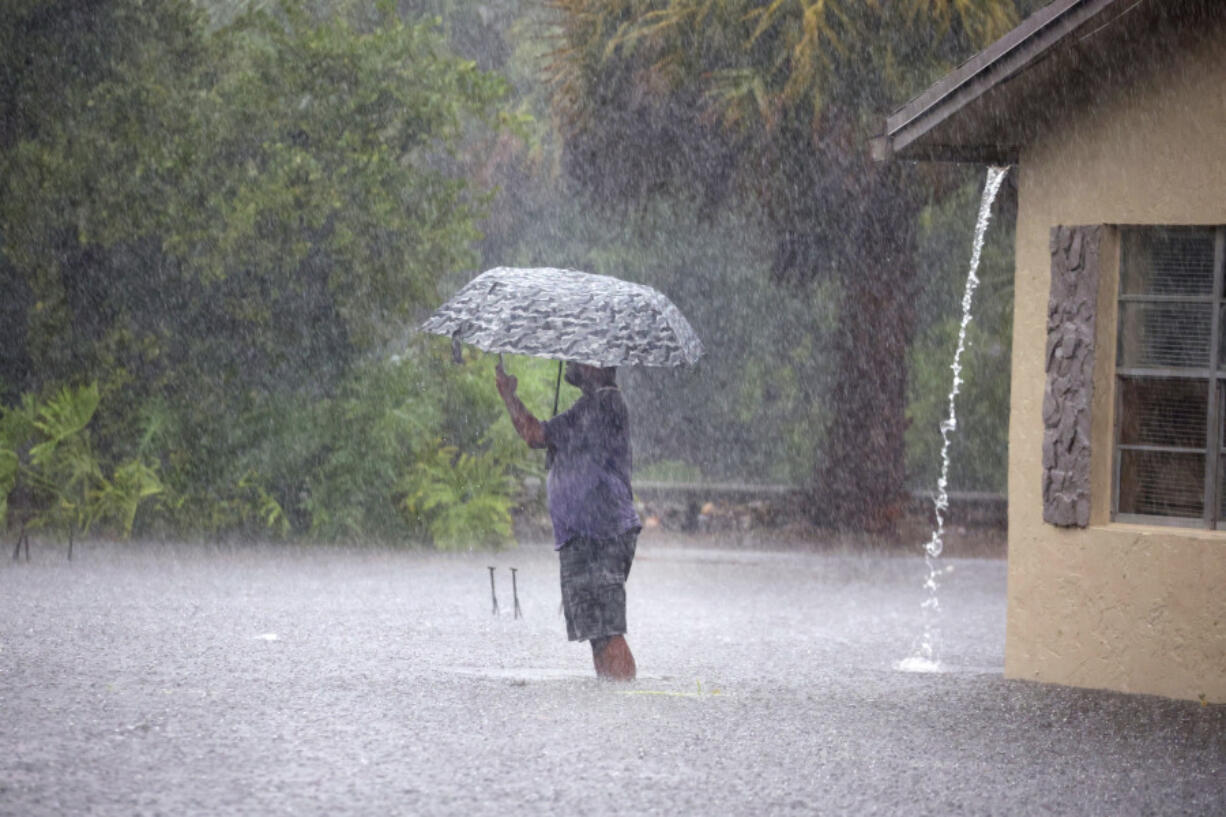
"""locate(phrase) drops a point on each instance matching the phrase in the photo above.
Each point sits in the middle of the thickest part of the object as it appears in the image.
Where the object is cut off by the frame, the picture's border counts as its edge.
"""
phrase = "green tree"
(273, 185)
(776, 101)
(224, 222)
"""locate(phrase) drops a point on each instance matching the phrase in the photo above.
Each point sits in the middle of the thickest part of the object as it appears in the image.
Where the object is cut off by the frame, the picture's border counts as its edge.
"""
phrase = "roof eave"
(999, 62)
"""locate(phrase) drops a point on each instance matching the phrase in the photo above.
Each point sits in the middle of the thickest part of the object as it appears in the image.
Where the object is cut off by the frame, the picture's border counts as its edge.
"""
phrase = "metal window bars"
(1170, 450)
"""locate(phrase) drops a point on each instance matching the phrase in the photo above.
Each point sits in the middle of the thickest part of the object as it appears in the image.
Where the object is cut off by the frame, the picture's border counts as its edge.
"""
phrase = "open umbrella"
(567, 315)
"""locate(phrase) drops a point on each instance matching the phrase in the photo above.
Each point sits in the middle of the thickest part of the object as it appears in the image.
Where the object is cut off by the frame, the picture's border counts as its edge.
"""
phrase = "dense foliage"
(218, 221)
(226, 229)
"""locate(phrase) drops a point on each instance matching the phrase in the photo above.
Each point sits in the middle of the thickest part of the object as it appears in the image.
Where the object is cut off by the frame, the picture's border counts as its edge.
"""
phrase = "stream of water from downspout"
(925, 656)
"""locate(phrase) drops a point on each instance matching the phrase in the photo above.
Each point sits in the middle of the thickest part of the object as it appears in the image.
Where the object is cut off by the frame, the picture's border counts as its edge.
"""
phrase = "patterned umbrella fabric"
(567, 315)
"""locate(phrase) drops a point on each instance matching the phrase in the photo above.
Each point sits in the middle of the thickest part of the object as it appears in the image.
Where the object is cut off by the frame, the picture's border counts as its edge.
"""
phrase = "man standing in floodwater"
(595, 526)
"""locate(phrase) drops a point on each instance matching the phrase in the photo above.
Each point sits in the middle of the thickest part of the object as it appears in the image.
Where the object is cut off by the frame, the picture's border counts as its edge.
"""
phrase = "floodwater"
(146, 680)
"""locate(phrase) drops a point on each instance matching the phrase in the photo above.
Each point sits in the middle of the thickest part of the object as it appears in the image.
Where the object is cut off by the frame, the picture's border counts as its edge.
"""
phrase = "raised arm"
(528, 426)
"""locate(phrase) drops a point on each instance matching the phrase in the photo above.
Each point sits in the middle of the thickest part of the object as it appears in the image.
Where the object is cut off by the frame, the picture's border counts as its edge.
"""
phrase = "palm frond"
(61, 417)
(461, 499)
(119, 498)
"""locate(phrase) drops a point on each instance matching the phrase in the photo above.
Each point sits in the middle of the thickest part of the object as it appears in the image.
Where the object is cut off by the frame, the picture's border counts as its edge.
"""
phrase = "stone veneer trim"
(1070, 374)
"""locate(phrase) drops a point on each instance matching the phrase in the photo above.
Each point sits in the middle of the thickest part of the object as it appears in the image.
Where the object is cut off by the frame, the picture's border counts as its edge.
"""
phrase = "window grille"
(1170, 459)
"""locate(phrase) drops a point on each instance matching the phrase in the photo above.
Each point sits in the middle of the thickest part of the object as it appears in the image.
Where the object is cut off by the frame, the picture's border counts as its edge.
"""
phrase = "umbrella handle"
(557, 388)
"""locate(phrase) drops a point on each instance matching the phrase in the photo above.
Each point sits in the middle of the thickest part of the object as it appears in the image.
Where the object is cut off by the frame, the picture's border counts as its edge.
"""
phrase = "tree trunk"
(860, 480)
(861, 471)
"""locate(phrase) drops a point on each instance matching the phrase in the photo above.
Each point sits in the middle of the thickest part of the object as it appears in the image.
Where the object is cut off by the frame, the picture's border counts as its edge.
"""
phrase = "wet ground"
(177, 681)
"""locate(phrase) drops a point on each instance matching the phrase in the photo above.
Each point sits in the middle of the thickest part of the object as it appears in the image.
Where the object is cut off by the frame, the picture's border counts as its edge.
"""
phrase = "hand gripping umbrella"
(567, 315)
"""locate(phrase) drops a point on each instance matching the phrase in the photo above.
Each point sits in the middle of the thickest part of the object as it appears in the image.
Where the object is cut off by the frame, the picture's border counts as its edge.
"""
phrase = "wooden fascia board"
(966, 154)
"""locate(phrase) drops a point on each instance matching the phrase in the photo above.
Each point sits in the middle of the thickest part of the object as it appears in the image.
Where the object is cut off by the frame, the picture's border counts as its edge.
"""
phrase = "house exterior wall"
(1125, 607)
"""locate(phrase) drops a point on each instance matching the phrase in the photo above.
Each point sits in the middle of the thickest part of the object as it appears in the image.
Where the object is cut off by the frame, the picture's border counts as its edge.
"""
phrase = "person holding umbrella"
(596, 323)
(591, 506)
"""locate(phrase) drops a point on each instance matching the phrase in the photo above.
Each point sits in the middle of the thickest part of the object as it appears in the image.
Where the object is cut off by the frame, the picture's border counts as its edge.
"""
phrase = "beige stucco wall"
(1124, 607)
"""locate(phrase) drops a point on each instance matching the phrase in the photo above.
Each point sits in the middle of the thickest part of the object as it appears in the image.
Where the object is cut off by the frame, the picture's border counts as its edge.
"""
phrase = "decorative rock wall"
(1070, 371)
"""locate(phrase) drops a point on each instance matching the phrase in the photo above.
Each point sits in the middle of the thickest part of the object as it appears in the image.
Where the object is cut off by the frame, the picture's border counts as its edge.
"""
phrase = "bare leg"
(613, 659)
(598, 645)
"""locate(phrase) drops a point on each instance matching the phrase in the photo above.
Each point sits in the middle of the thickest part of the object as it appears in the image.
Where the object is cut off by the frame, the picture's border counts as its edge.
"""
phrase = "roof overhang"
(980, 112)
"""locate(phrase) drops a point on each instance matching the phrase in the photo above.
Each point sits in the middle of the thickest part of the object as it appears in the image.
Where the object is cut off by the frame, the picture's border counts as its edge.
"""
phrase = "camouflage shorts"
(594, 575)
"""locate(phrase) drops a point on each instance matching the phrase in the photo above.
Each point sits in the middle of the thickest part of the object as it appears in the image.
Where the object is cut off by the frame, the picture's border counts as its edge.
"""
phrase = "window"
(1171, 377)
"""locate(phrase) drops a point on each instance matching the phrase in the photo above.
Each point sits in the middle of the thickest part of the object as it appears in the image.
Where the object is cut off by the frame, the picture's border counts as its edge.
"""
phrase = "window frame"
(1214, 450)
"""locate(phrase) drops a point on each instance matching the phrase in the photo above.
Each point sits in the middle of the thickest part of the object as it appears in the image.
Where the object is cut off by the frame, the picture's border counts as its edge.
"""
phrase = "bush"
(46, 452)
(410, 448)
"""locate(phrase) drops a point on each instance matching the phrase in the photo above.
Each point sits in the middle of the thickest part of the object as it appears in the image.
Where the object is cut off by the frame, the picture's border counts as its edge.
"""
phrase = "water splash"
(925, 657)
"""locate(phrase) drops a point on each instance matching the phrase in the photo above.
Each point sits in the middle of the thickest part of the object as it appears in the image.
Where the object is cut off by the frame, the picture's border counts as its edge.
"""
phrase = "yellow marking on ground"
(672, 693)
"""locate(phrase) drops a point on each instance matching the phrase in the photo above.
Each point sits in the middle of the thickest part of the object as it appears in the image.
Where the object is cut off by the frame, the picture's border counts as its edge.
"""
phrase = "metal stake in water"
(515, 594)
(493, 595)
(925, 656)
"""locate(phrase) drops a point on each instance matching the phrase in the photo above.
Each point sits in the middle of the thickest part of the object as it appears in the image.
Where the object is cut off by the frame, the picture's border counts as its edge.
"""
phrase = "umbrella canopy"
(567, 315)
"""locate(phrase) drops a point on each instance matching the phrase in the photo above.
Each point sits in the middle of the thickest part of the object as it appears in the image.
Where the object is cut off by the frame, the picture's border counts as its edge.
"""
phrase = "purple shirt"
(589, 480)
